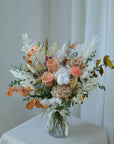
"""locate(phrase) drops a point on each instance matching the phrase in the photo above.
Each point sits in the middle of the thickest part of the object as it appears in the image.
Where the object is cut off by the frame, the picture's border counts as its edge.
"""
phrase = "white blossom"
(90, 47)
(75, 100)
(31, 68)
(85, 49)
(52, 101)
(63, 48)
(27, 43)
(90, 84)
(85, 75)
(22, 75)
(26, 83)
(62, 76)
(60, 79)
(91, 66)
(44, 101)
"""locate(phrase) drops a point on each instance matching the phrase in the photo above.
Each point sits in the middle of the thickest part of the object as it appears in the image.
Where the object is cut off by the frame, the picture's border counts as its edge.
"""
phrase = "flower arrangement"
(56, 79)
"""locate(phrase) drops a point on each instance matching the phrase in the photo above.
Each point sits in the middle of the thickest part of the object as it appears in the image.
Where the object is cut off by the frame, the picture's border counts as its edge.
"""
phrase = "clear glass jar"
(58, 125)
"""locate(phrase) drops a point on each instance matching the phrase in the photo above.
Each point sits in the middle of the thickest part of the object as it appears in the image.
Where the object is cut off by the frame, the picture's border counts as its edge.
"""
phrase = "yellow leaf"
(101, 70)
(73, 82)
(98, 62)
(38, 44)
(108, 62)
(85, 98)
(79, 91)
(46, 45)
(94, 75)
(80, 98)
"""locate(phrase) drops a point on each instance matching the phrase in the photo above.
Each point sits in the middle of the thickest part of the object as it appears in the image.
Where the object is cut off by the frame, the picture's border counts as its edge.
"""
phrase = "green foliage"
(26, 99)
(43, 91)
(65, 104)
(73, 94)
(91, 57)
(24, 57)
(12, 83)
(102, 87)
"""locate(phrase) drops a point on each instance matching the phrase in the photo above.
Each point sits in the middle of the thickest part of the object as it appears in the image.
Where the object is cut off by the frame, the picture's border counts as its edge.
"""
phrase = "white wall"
(16, 17)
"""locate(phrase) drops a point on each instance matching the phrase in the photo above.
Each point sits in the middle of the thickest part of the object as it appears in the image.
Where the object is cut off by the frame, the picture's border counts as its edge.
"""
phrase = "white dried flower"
(44, 101)
(85, 75)
(62, 76)
(90, 84)
(63, 48)
(85, 49)
(66, 80)
(22, 75)
(51, 51)
(90, 47)
(60, 79)
(52, 101)
(75, 100)
(31, 68)
(27, 43)
(91, 66)
(26, 83)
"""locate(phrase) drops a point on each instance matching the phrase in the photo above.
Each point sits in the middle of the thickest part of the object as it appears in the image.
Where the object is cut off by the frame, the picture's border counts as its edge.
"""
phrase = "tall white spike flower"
(31, 68)
(63, 48)
(85, 49)
(27, 43)
(90, 47)
(22, 75)
(51, 51)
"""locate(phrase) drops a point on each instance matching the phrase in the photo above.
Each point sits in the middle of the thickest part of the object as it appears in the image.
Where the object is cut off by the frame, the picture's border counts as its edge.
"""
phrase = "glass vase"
(58, 125)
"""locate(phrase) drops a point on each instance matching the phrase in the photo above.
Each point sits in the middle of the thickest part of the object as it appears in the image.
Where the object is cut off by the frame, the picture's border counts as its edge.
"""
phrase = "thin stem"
(38, 62)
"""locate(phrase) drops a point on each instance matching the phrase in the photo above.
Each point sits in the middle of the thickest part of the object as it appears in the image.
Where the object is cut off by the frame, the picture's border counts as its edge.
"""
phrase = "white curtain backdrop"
(100, 21)
(60, 21)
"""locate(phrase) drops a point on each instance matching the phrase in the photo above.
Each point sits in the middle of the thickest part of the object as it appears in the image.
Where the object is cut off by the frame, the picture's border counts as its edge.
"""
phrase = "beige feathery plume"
(52, 50)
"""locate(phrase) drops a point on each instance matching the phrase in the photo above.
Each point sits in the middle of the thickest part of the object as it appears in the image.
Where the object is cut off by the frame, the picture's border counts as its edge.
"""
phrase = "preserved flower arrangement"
(55, 79)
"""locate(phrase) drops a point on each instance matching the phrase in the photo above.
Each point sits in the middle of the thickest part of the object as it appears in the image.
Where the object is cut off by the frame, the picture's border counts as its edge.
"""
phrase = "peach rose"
(52, 65)
(48, 78)
(75, 71)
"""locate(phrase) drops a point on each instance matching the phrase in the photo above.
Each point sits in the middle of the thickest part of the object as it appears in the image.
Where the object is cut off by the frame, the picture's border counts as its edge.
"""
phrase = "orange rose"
(52, 65)
(75, 71)
(48, 78)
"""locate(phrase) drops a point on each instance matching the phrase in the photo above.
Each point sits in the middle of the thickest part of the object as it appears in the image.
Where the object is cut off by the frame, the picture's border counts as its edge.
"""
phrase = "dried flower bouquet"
(55, 79)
